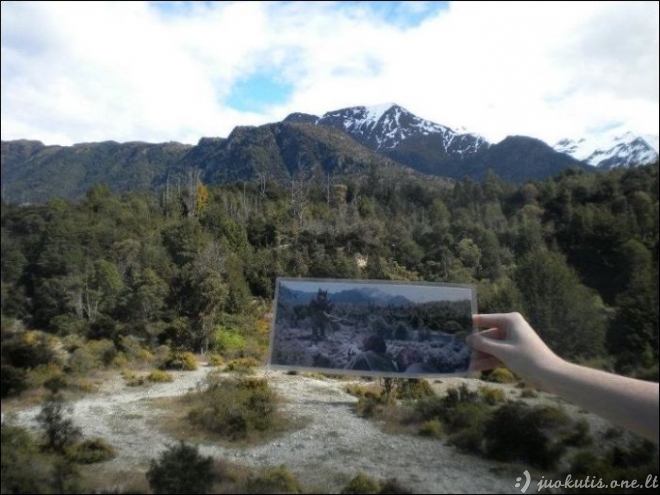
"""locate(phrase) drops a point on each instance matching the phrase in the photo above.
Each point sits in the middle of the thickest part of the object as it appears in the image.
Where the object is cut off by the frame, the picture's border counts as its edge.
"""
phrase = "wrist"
(551, 373)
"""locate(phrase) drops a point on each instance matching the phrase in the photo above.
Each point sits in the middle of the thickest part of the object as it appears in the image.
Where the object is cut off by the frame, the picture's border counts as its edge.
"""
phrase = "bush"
(94, 355)
(413, 389)
(19, 471)
(469, 439)
(215, 360)
(91, 451)
(132, 378)
(369, 405)
(491, 395)
(242, 365)
(431, 428)
(49, 376)
(229, 342)
(13, 380)
(580, 436)
(181, 360)
(517, 432)
(273, 480)
(160, 376)
(528, 393)
(499, 375)
(361, 483)
(635, 461)
(234, 408)
(59, 431)
(181, 469)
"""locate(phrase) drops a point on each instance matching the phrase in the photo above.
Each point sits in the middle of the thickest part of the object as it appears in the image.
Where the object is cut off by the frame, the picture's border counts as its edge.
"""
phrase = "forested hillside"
(194, 268)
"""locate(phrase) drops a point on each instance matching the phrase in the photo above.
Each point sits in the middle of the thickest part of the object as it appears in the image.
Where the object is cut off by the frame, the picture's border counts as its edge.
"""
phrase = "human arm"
(510, 340)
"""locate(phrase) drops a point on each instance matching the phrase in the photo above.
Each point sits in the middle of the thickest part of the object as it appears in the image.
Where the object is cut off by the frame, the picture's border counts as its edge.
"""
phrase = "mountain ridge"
(344, 144)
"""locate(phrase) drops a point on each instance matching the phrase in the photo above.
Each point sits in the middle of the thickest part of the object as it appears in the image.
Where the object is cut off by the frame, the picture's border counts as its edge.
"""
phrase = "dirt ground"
(330, 447)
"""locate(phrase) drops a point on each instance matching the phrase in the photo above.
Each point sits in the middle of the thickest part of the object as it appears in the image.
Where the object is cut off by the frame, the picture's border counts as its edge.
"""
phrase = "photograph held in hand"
(372, 328)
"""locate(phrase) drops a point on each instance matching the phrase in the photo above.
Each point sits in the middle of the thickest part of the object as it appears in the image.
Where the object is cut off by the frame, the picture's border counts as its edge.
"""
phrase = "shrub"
(91, 451)
(369, 406)
(361, 483)
(160, 376)
(499, 375)
(491, 395)
(517, 432)
(414, 389)
(59, 431)
(580, 436)
(229, 342)
(357, 390)
(94, 355)
(431, 428)
(132, 378)
(181, 469)
(28, 349)
(181, 360)
(273, 480)
(469, 439)
(636, 461)
(13, 380)
(242, 365)
(19, 471)
(528, 393)
(44, 373)
(215, 360)
(234, 408)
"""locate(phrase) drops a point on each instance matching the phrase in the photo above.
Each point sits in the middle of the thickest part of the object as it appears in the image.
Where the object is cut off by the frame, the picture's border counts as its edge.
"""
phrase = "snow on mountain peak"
(375, 112)
(609, 150)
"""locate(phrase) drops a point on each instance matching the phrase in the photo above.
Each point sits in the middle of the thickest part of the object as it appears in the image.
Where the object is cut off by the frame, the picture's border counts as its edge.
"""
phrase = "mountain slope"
(32, 171)
(519, 158)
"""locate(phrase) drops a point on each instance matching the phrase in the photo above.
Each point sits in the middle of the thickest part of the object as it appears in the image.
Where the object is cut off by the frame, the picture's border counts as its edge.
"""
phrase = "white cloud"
(75, 72)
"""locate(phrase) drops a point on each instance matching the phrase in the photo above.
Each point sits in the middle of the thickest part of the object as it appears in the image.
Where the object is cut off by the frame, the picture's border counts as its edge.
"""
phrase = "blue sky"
(178, 71)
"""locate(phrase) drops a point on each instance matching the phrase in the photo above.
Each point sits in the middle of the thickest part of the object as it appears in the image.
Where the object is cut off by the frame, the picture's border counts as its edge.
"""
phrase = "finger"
(482, 343)
(483, 362)
(493, 333)
(501, 320)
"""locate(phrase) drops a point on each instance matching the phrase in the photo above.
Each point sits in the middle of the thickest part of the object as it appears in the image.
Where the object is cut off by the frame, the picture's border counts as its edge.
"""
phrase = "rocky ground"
(331, 445)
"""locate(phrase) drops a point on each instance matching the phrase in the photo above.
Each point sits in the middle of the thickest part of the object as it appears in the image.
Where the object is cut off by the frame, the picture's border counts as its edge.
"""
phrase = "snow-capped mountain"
(608, 151)
(393, 131)
(385, 127)
(436, 149)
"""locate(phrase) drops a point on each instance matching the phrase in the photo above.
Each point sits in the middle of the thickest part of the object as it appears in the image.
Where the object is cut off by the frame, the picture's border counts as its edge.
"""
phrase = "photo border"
(357, 373)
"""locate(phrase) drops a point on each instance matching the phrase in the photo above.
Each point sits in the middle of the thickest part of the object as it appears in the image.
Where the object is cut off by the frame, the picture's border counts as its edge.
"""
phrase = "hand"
(509, 341)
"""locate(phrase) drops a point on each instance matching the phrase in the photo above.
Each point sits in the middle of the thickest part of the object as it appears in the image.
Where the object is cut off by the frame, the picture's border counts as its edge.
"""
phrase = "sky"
(179, 71)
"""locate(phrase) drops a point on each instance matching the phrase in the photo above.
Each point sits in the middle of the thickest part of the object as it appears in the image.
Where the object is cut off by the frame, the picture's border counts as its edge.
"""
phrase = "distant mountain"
(439, 150)
(33, 172)
(608, 151)
(398, 134)
(359, 295)
(347, 144)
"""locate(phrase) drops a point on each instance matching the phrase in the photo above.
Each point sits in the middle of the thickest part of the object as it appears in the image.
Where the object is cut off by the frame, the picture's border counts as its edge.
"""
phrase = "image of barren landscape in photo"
(372, 327)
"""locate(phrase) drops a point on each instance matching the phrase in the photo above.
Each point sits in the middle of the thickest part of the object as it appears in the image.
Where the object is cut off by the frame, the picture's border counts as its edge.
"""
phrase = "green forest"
(193, 268)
